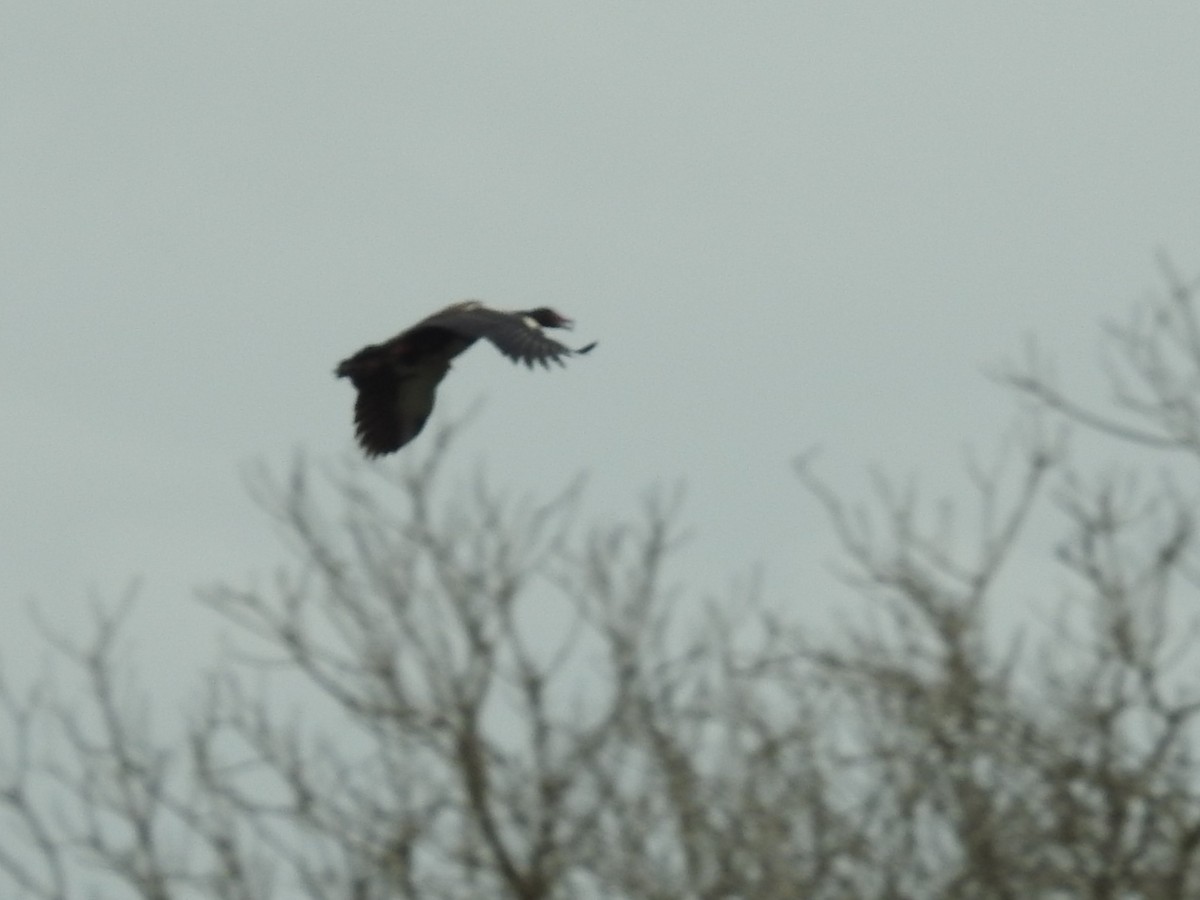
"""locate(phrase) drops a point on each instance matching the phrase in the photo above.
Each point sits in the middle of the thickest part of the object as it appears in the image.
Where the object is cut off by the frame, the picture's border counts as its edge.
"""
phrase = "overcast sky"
(787, 224)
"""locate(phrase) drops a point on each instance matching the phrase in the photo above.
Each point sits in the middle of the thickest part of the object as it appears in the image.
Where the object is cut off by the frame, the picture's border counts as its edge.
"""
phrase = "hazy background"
(787, 224)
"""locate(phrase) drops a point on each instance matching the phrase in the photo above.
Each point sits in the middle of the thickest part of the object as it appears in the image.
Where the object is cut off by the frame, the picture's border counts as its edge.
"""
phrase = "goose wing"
(391, 408)
(517, 337)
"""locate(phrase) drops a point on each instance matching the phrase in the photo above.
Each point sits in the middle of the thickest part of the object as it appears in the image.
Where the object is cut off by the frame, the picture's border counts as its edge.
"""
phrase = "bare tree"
(451, 692)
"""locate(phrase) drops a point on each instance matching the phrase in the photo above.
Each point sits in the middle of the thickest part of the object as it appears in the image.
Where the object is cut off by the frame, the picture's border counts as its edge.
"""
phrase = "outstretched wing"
(391, 409)
(518, 338)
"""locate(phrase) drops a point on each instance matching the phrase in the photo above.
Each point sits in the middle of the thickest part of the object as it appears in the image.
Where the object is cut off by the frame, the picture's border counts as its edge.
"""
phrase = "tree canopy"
(450, 692)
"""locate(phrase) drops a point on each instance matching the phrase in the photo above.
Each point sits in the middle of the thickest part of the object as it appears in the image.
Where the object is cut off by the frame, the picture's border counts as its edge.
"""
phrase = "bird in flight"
(397, 380)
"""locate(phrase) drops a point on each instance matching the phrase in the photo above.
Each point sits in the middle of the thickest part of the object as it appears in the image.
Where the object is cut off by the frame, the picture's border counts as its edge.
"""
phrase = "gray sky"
(786, 223)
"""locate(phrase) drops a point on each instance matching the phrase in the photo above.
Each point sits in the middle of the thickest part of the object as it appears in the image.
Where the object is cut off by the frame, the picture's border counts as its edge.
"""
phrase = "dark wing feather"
(391, 410)
(519, 340)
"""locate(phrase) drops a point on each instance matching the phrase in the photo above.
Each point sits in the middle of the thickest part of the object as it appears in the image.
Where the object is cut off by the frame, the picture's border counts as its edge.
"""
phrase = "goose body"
(397, 380)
